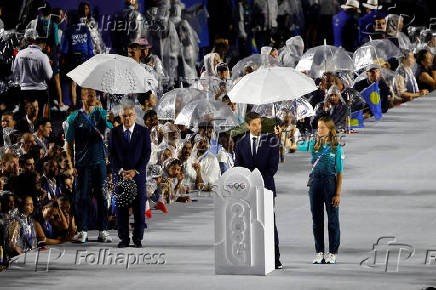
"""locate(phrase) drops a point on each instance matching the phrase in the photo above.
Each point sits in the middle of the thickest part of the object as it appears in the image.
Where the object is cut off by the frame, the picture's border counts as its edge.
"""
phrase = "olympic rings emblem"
(236, 186)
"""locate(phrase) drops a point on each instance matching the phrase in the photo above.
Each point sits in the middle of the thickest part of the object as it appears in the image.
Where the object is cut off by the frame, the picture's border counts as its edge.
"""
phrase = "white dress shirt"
(130, 138)
(257, 142)
(130, 129)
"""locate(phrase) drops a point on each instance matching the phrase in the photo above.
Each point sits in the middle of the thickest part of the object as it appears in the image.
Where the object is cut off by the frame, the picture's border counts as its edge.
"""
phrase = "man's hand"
(129, 174)
(196, 167)
(277, 130)
(336, 200)
(326, 106)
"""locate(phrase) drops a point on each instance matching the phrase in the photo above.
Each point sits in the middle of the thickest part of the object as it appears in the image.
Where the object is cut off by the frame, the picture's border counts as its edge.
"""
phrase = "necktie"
(127, 135)
(253, 148)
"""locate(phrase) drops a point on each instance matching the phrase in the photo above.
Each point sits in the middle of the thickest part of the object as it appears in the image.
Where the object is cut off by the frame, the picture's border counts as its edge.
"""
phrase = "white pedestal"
(244, 224)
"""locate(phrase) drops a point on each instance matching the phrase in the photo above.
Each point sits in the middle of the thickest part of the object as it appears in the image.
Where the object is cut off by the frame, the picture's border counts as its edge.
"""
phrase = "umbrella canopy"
(254, 60)
(267, 110)
(300, 108)
(113, 74)
(172, 102)
(387, 74)
(374, 51)
(204, 110)
(271, 84)
(211, 86)
(320, 59)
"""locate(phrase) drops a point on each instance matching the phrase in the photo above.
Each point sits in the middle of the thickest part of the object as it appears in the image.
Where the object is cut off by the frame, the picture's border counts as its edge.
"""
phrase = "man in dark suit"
(256, 150)
(129, 151)
(27, 123)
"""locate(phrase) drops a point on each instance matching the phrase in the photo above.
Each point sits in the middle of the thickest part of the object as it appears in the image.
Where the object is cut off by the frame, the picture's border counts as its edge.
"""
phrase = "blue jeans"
(91, 177)
(321, 192)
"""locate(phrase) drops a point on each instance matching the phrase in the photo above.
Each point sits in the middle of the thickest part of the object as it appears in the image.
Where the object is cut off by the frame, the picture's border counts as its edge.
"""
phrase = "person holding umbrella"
(85, 147)
(262, 152)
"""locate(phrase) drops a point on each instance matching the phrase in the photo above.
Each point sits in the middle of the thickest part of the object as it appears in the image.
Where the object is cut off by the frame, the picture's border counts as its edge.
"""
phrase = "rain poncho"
(97, 42)
(209, 65)
(189, 40)
(292, 52)
(405, 81)
(210, 169)
(21, 231)
(338, 112)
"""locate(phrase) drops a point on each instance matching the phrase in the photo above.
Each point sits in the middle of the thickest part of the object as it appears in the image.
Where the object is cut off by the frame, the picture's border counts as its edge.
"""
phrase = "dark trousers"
(91, 177)
(138, 207)
(321, 192)
(276, 239)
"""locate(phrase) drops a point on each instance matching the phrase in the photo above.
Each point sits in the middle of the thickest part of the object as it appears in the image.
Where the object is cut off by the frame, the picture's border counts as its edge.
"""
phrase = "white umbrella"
(270, 85)
(113, 74)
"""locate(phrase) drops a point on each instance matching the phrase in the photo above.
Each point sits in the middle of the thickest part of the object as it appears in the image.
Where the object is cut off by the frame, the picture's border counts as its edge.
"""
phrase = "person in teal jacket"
(325, 185)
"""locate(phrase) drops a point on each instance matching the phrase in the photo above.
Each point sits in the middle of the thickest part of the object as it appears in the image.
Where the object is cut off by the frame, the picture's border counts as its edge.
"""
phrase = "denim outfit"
(322, 190)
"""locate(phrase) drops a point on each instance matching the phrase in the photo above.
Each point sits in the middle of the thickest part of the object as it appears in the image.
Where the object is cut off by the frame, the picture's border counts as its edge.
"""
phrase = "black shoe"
(279, 265)
(123, 244)
(137, 244)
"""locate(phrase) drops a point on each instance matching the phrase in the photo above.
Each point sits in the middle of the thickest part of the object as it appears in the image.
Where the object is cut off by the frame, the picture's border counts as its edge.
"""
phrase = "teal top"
(330, 163)
(89, 146)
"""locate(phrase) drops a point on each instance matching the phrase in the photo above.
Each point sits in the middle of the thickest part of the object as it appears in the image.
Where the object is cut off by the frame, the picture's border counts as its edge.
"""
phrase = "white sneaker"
(319, 257)
(81, 237)
(64, 108)
(330, 258)
(104, 237)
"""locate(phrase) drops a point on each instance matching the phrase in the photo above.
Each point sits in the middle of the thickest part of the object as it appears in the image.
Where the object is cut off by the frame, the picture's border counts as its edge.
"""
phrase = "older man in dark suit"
(129, 151)
(261, 151)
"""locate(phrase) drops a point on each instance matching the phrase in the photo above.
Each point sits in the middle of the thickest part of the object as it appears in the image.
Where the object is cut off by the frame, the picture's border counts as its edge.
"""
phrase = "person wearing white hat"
(372, 5)
(372, 10)
(345, 26)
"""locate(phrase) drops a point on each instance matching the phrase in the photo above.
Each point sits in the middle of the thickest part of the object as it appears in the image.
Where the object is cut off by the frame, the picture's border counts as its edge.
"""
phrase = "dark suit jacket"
(130, 155)
(23, 126)
(266, 159)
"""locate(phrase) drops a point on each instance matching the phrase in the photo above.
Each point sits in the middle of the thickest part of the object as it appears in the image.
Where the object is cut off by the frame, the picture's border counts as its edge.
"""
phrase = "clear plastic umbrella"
(300, 108)
(374, 52)
(211, 86)
(320, 59)
(387, 74)
(199, 111)
(267, 110)
(255, 61)
(113, 74)
(172, 102)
